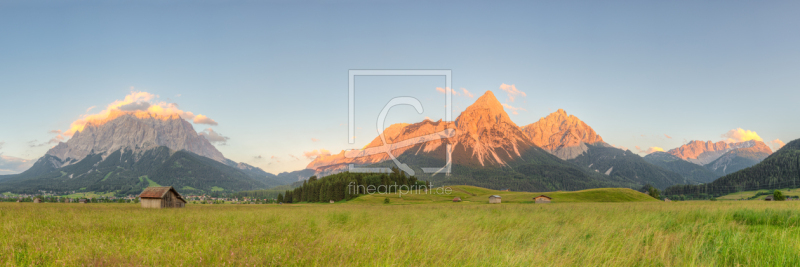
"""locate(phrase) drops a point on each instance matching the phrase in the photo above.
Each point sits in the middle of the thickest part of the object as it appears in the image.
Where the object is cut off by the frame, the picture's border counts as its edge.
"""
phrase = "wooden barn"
(494, 199)
(83, 201)
(37, 200)
(161, 197)
(542, 199)
(456, 199)
(769, 198)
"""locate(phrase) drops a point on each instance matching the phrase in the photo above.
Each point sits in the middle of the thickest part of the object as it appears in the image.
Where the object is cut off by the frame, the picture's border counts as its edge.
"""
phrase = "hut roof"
(543, 196)
(495, 196)
(159, 192)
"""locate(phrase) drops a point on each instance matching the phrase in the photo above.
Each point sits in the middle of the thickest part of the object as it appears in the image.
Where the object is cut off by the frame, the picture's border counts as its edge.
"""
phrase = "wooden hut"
(494, 199)
(161, 197)
(667, 200)
(456, 199)
(769, 198)
(331, 201)
(37, 200)
(542, 199)
(83, 201)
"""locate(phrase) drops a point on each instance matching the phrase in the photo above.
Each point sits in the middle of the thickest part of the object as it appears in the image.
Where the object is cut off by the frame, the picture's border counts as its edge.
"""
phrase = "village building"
(83, 201)
(769, 198)
(456, 199)
(37, 200)
(494, 199)
(161, 197)
(542, 199)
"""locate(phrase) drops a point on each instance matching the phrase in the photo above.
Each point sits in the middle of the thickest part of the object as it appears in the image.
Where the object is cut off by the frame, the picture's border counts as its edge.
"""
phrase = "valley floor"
(691, 233)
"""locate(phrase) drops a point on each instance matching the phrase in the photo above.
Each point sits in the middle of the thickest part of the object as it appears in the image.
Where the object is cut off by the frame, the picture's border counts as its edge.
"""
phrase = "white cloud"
(13, 165)
(512, 91)
(776, 144)
(650, 150)
(202, 119)
(138, 104)
(740, 135)
(467, 93)
(444, 90)
(214, 137)
(513, 109)
(315, 153)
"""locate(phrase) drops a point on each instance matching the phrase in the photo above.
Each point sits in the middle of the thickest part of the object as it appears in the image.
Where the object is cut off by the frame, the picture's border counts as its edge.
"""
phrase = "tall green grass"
(696, 233)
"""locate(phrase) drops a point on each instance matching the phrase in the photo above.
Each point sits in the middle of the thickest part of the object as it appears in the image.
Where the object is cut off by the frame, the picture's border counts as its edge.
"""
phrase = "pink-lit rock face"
(484, 135)
(563, 135)
(702, 153)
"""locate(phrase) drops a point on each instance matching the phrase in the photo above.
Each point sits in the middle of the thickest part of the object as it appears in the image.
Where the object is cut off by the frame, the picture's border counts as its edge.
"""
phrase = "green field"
(642, 233)
(747, 194)
(478, 195)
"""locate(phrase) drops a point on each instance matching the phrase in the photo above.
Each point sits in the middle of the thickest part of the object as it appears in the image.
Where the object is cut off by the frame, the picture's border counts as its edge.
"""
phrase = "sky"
(270, 78)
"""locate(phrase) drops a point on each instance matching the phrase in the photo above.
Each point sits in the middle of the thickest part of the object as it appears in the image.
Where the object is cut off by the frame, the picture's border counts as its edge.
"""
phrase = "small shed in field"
(331, 201)
(542, 199)
(667, 200)
(456, 199)
(769, 198)
(37, 200)
(161, 197)
(83, 201)
(494, 199)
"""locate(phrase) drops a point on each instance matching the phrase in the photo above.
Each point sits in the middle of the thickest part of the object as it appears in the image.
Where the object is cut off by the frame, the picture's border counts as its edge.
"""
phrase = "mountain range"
(779, 170)
(128, 151)
(558, 152)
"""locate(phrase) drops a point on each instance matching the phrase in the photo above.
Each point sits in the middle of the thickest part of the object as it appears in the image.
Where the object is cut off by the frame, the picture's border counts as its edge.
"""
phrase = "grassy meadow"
(365, 232)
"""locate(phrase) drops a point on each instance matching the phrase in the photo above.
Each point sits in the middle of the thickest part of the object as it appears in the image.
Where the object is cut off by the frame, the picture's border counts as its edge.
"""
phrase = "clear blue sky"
(274, 74)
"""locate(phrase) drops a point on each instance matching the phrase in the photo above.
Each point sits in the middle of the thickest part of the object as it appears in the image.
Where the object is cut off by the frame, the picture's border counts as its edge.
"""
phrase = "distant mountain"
(571, 139)
(490, 150)
(137, 132)
(688, 170)
(126, 152)
(626, 165)
(779, 170)
(739, 158)
(562, 135)
(703, 153)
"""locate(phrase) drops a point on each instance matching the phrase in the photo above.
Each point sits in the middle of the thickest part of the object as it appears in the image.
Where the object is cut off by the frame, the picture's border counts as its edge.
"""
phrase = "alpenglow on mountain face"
(137, 132)
(484, 136)
(702, 153)
(562, 135)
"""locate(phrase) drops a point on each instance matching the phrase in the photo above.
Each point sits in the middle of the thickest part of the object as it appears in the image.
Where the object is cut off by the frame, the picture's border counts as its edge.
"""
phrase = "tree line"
(347, 185)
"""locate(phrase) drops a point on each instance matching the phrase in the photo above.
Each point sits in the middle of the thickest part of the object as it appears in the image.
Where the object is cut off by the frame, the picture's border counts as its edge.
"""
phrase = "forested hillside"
(779, 170)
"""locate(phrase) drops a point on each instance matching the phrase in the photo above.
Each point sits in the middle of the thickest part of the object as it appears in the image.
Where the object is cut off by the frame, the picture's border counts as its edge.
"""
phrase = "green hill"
(478, 195)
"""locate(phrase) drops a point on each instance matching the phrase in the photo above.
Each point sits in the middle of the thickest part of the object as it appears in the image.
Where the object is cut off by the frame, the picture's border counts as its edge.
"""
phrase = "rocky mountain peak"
(137, 131)
(704, 152)
(563, 135)
(485, 111)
